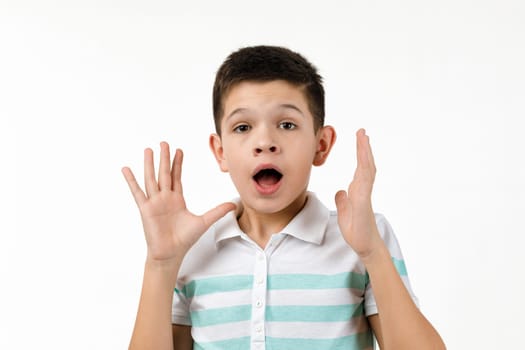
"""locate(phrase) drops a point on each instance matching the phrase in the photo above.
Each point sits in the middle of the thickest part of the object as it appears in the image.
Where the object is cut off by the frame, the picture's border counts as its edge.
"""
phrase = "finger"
(370, 156)
(216, 213)
(149, 173)
(359, 167)
(177, 171)
(367, 156)
(362, 152)
(341, 201)
(136, 191)
(365, 169)
(164, 167)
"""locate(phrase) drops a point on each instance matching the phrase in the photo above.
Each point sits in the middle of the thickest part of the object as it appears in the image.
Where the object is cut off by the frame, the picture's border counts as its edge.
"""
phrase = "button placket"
(259, 300)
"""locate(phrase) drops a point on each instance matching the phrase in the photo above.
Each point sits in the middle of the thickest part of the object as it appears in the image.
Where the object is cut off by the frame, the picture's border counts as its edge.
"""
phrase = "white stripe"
(310, 330)
(317, 330)
(337, 296)
(221, 332)
(219, 300)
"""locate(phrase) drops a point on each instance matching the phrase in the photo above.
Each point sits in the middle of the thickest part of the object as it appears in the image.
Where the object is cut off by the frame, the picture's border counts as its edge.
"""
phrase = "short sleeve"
(180, 313)
(386, 232)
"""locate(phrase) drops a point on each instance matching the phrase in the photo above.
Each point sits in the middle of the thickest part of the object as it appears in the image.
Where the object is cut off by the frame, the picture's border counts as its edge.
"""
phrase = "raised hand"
(170, 228)
(354, 207)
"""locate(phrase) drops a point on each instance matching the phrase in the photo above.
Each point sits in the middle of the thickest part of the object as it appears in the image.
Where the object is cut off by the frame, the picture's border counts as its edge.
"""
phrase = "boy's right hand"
(170, 228)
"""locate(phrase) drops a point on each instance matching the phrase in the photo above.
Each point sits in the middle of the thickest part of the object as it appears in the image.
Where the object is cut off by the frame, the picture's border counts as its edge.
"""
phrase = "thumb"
(341, 200)
(211, 216)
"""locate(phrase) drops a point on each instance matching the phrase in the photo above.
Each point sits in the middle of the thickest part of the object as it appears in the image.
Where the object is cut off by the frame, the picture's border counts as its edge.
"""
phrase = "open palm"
(170, 228)
(354, 207)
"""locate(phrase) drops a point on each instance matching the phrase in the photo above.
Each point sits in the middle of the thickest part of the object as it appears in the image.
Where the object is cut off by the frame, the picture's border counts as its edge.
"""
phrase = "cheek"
(233, 153)
(303, 162)
(234, 160)
(305, 152)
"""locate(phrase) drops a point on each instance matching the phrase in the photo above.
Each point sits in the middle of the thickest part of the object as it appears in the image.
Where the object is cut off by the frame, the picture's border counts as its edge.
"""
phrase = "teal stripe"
(308, 313)
(284, 313)
(233, 344)
(400, 267)
(210, 317)
(216, 285)
(317, 281)
(276, 282)
(351, 342)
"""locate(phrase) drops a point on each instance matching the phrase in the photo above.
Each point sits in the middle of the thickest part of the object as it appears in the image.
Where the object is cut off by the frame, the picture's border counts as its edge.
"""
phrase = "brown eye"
(241, 128)
(287, 125)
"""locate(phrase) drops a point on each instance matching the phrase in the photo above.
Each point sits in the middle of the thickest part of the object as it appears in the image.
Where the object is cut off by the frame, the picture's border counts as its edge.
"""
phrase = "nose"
(271, 149)
(265, 143)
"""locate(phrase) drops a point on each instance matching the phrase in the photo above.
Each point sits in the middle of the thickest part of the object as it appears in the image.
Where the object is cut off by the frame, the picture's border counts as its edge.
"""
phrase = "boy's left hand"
(354, 208)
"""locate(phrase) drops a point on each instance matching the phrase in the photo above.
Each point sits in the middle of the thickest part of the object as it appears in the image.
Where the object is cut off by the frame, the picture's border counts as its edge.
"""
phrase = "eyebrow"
(290, 106)
(281, 106)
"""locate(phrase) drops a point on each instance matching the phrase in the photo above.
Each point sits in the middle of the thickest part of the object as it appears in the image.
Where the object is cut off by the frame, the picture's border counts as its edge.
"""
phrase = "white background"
(85, 86)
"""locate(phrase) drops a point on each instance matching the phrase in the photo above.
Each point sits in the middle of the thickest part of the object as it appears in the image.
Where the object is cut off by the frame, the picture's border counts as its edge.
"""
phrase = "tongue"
(267, 179)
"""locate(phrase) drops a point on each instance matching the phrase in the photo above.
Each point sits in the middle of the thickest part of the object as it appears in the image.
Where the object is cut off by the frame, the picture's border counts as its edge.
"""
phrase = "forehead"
(264, 96)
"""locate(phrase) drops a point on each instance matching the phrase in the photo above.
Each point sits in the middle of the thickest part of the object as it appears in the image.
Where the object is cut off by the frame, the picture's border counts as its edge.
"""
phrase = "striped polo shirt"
(307, 289)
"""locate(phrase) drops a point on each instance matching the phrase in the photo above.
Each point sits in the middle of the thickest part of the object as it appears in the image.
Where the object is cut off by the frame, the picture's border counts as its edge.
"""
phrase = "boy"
(277, 270)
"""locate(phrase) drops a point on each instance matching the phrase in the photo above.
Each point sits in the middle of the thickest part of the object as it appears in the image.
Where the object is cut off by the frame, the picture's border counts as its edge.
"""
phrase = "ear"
(326, 137)
(218, 151)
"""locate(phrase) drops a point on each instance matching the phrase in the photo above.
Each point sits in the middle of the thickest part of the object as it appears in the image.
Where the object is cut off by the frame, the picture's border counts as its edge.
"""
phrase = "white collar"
(308, 225)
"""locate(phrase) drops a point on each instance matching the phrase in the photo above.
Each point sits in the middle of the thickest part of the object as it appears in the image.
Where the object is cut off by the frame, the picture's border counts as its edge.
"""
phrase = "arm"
(153, 328)
(170, 231)
(399, 324)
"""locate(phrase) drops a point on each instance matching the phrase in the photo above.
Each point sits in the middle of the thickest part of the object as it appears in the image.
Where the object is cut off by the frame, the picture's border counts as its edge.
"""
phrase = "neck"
(261, 226)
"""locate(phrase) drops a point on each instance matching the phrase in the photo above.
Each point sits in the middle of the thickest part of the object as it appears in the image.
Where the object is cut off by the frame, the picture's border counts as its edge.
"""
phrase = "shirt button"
(260, 280)
(258, 303)
(258, 329)
(260, 257)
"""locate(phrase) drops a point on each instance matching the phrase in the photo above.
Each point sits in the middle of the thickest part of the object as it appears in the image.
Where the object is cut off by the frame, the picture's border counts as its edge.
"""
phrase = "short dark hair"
(267, 63)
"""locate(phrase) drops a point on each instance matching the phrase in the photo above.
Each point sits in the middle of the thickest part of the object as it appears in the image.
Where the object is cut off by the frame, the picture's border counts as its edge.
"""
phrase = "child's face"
(268, 144)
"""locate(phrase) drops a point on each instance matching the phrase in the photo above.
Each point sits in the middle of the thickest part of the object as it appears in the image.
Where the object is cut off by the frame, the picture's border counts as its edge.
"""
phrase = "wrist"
(161, 273)
(377, 254)
(167, 265)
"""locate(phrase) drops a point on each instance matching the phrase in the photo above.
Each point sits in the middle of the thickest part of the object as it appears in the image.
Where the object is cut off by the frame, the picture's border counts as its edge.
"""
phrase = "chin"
(275, 203)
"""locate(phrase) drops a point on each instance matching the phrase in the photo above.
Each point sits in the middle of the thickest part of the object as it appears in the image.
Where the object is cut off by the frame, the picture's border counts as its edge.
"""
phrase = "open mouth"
(267, 177)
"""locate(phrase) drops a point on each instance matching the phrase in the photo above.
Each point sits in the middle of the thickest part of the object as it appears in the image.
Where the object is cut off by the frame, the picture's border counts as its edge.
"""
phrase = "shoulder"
(218, 251)
(204, 249)
(382, 223)
(383, 226)
(387, 232)
(210, 243)
(333, 233)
